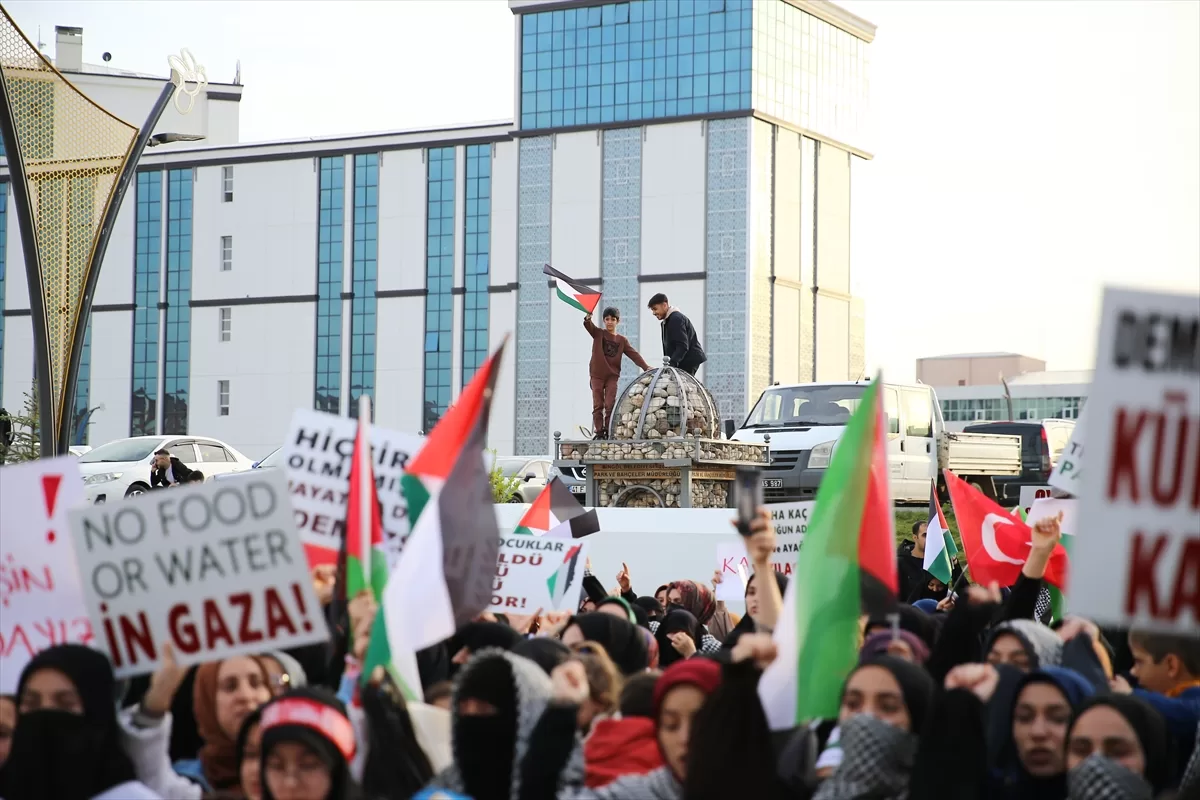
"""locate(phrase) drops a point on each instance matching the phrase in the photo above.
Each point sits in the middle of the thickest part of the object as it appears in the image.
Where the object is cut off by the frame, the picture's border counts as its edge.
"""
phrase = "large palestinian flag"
(574, 293)
(847, 565)
(554, 506)
(443, 577)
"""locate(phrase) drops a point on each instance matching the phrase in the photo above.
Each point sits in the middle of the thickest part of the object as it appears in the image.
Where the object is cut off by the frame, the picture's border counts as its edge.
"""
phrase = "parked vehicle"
(534, 473)
(272, 460)
(574, 478)
(1042, 442)
(805, 422)
(122, 468)
(78, 449)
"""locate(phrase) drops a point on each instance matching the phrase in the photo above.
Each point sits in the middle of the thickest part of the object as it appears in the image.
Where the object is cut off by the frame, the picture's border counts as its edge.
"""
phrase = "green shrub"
(503, 487)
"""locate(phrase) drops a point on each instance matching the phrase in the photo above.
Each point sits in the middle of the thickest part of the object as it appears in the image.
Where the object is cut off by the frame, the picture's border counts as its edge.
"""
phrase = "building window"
(225, 316)
(226, 184)
(439, 280)
(635, 60)
(177, 341)
(222, 398)
(477, 249)
(226, 253)
(147, 264)
(83, 382)
(362, 307)
(331, 216)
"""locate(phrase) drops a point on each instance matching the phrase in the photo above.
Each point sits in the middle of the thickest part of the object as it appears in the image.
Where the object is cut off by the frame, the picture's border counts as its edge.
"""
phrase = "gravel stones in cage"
(665, 403)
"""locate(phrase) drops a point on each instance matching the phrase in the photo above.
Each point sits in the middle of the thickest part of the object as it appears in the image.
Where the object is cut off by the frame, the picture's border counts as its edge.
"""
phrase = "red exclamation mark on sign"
(299, 595)
(50, 484)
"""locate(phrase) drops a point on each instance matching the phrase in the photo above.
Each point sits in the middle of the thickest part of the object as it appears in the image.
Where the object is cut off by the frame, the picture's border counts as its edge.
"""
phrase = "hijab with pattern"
(697, 599)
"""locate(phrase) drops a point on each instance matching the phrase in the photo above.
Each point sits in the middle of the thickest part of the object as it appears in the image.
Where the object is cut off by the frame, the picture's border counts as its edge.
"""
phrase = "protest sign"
(1045, 507)
(791, 523)
(535, 572)
(1138, 556)
(213, 569)
(1031, 493)
(317, 453)
(41, 599)
(1068, 472)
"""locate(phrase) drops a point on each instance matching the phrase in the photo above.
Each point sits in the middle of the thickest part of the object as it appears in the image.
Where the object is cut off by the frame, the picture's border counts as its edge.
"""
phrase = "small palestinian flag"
(560, 582)
(939, 544)
(555, 506)
(576, 294)
(847, 566)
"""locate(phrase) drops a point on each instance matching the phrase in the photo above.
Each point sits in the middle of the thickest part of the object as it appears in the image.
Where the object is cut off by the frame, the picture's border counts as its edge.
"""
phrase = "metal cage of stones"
(673, 402)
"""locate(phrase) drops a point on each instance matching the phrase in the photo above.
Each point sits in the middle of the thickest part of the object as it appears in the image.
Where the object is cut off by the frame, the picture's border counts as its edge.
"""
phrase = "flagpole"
(365, 515)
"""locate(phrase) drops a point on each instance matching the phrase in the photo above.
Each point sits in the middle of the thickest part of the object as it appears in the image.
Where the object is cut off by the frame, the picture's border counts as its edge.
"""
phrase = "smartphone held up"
(747, 496)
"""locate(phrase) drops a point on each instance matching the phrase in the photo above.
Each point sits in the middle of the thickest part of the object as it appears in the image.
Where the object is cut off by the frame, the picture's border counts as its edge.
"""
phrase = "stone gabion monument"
(663, 449)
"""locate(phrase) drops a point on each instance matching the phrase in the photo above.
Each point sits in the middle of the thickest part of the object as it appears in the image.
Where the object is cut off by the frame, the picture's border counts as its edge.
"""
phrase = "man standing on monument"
(608, 348)
(681, 346)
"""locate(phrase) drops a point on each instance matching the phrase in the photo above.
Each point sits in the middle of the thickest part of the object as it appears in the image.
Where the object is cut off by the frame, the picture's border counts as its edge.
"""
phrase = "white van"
(804, 422)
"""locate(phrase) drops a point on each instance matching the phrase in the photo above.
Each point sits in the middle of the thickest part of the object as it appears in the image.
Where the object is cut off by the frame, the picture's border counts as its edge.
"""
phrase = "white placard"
(317, 453)
(791, 523)
(215, 569)
(1050, 506)
(1137, 560)
(41, 599)
(1031, 493)
(1068, 472)
(535, 572)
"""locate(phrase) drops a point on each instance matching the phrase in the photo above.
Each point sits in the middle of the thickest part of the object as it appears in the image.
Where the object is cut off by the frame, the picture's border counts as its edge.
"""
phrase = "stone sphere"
(665, 403)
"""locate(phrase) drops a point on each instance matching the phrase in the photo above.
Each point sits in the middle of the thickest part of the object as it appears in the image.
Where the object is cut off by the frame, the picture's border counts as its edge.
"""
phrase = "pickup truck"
(805, 420)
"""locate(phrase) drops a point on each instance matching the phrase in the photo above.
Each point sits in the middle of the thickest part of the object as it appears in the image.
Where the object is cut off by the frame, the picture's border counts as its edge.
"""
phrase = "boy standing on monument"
(608, 348)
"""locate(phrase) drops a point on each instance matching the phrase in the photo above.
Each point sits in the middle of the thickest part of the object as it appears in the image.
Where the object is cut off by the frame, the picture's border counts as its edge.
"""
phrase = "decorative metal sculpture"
(70, 163)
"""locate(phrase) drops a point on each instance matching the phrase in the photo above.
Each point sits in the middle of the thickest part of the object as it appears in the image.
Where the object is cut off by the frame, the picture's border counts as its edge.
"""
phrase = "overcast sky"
(1026, 153)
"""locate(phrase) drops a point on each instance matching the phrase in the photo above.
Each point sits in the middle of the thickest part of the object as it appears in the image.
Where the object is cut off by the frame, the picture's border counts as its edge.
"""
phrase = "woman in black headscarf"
(67, 744)
(621, 640)
(678, 637)
(749, 623)
(884, 704)
(1118, 746)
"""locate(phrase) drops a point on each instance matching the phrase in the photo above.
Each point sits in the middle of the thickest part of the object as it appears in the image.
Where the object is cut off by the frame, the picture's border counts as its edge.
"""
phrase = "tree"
(503, 486)
(26, 446)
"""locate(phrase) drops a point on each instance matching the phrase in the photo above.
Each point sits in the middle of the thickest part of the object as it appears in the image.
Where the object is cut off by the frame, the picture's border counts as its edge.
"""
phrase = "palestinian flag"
(366, 560)
(939, 544)
(847, 565)
(564, 576)
(554, 506)
(578, 295)
(444, 575)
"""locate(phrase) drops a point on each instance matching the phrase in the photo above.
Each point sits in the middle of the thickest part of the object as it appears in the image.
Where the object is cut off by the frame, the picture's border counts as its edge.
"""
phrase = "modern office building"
(700, 148)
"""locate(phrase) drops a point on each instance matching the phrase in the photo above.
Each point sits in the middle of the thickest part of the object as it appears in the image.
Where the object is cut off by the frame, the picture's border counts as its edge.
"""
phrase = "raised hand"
(760, 544)
(164, 683)
(623, 580)
(682, 643)
(758, 647)
(569, 683)
(324, 580)
(1047, 532)
(362, 615)
(980, 679)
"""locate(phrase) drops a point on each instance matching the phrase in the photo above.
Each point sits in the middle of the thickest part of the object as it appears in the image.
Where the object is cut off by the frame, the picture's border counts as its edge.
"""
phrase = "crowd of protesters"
(969, 694)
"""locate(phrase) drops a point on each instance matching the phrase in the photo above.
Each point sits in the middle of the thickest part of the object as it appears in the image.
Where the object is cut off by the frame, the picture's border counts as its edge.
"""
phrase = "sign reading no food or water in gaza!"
(214, 570)
(1137, 557)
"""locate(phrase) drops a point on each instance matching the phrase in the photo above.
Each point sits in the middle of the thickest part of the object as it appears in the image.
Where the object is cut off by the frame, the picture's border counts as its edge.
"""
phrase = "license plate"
(772, 483)
(578, 489)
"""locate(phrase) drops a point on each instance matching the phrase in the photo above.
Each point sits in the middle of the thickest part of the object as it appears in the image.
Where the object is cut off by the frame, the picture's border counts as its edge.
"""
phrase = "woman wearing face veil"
(67, 744)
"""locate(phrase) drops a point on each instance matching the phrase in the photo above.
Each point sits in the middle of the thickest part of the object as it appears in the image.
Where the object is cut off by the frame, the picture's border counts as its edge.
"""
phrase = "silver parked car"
(534, 474)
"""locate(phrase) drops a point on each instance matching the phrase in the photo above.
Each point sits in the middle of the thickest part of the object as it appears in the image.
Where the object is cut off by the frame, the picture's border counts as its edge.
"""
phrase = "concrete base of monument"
(682, 472)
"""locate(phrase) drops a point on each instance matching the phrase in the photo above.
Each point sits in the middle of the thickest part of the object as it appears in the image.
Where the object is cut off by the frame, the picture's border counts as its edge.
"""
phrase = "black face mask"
(485, 749)
(64, 756)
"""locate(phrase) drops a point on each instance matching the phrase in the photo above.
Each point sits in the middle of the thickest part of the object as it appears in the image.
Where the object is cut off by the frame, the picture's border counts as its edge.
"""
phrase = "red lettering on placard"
(1186, 593)
(214, 625)
(183, 631)
(245, 602)
(1142, 590)
(277, 614)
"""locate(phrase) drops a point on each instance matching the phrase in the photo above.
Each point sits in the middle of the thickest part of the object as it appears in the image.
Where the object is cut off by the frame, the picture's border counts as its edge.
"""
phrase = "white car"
(122, 468)
(534, 474)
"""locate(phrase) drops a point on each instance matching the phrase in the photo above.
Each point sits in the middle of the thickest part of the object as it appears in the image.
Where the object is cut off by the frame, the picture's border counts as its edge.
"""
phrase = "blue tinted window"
(143, 414)
(330, 203)
(79, 422)
(365, 268)
(177, 339)
(613, 48)
(477, 252)
(439, 280)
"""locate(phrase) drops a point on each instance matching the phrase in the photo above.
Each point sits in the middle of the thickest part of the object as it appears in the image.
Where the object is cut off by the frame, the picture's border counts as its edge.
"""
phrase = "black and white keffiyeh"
(1098, 778)
(1042, 609)
(877, 760)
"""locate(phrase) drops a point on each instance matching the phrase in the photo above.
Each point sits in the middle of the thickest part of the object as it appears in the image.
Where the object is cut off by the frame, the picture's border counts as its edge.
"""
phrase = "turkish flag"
(997, 543)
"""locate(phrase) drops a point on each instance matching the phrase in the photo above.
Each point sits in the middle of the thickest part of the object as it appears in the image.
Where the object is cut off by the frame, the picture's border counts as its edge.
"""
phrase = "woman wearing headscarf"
(8, 723)
(547, 653)
(1118, 746)
(679, 636)
(249, 756)
(480, 635)
(626, 744)
(749, 623)
(883, 708)
(1024, 644)
(308, 743)
(621, 639)
(67, 744)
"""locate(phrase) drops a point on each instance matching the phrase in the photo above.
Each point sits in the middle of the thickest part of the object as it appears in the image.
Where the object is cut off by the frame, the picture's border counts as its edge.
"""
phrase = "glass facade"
(147, 263)
(331, 209)
(809, 73)
(3, 250)
(477, 250)
(644, 59)
(83, 382)
(996, 408)
(177, 339)
(621, 235)
(439, 282)
(366, 261)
